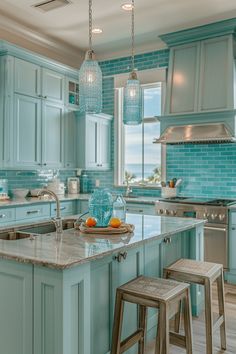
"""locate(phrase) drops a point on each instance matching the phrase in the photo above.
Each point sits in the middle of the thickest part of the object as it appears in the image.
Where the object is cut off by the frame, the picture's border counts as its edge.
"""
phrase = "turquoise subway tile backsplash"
(207, 170)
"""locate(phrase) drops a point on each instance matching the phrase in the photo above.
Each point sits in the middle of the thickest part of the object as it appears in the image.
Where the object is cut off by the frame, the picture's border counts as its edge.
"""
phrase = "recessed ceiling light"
(127, 6)
(97, 30)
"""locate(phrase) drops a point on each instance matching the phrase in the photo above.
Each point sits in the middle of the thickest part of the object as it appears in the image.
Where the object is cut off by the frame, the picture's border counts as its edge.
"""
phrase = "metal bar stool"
(203, 273)
(156, 293)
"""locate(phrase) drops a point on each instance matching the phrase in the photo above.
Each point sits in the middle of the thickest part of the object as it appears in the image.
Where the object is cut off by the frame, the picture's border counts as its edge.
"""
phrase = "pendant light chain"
(132, 36)
(90, 25)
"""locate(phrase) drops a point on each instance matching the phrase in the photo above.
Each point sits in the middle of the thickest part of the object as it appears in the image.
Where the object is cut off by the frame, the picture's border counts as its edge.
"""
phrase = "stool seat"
(154, 288)
(199, 268)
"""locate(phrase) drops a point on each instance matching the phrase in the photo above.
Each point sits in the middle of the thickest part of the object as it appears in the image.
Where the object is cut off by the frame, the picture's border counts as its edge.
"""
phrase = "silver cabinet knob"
(167, 240)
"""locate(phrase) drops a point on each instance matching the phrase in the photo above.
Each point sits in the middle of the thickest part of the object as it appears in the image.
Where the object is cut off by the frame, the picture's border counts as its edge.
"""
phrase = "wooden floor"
(199, 328)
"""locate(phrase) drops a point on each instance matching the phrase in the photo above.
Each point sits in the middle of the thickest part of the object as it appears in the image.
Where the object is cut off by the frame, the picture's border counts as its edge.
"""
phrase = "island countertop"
(76, 248)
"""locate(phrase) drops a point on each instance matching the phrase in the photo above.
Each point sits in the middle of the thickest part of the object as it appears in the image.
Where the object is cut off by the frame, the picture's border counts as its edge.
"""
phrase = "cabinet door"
(216, 74)
(70, 138)
(104, 144)
(92, 128)
(27, 78)
(140, 208)
(27, 131)
(52, 135)
(83, 206)
(183, 79)
(53, 85)
(170, 250)
(103, 286)
(129, 269)
(16, 308)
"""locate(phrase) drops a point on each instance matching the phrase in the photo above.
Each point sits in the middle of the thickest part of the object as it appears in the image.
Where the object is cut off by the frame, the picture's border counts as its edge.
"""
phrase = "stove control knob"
(213, 216)
(206, 215)
(160, 211)
(173, 212)
(167, 212)
(222, 217)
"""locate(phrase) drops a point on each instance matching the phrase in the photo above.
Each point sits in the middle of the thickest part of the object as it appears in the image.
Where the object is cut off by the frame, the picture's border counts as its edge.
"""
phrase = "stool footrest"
(218, 322)
(131, 340)
(178, 339)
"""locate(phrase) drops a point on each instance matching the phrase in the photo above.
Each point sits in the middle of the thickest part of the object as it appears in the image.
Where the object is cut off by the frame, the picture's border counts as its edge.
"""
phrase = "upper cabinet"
(37, 126)
(201, 77)
(94, 136)
(33, 80)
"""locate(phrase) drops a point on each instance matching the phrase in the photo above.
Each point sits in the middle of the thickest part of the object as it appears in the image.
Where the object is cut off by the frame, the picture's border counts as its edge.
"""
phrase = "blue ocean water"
(136, 169)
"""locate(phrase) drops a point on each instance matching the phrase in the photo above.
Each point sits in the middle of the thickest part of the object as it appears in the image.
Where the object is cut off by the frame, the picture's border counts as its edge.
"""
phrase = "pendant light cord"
(90, 25)
(132, 36)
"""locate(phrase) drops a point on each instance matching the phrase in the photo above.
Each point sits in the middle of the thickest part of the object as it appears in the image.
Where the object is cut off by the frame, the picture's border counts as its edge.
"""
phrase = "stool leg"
(221, 300)
(117, 324)
(208, 317)
(178, 319)
(188, 323)
(162, 343)
(142, 325)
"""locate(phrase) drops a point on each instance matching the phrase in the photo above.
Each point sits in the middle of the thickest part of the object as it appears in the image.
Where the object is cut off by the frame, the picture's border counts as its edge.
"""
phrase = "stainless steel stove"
(215, 211)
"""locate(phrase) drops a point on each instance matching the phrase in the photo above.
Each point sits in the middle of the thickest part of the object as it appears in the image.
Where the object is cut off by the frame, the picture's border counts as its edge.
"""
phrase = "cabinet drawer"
(33, 212)
(140, 209)
(7, 215)
(67, 208)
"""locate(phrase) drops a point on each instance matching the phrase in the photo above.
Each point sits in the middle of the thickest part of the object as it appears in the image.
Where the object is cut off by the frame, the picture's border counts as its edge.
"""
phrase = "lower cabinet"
(106, 275)
(16, 305)
(66, 208)
(140, 208)
(231, 274)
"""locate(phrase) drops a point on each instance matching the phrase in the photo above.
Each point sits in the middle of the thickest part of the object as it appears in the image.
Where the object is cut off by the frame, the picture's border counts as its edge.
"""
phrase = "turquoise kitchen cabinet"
(217, 74)
(72, 93)
(70, 138)
(53, 85)
(231, 275)
(16, 307)
(106, 275)
(83, 206)
(170, 250)
(26, 131)
(33, 212)
(201, 77)
(140, 208)
(182, 85)
(27, 78)
(94, 141)
(52, 134)
(66, 208)
(33, 80)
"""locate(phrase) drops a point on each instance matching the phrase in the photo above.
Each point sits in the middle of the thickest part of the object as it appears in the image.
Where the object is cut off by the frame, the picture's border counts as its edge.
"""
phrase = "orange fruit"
(90, 222)
(115, 222)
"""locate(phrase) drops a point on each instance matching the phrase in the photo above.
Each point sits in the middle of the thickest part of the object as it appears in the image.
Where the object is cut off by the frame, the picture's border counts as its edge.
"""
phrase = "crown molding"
(211, 30)
(12, 27)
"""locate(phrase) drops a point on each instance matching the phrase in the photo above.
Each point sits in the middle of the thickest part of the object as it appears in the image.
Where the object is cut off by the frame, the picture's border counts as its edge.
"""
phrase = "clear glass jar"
(119, 208)
(4, 186)
(101, 206)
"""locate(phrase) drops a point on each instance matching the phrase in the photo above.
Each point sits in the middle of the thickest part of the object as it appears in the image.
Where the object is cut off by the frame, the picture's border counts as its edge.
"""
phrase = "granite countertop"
(76, 248)
(31, 200)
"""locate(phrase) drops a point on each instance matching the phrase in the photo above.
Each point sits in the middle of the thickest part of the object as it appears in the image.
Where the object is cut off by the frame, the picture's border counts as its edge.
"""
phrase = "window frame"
(119, 138)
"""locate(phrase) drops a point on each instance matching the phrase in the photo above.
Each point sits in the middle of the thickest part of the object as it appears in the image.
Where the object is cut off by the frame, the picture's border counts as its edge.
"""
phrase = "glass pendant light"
(132, 114)
(90, 78)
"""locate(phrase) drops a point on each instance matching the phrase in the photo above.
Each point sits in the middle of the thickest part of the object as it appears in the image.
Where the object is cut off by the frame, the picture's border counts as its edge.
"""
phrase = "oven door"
(216, 244)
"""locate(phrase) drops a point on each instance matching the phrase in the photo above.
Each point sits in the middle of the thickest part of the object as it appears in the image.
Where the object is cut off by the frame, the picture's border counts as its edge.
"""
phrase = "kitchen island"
(57, 297)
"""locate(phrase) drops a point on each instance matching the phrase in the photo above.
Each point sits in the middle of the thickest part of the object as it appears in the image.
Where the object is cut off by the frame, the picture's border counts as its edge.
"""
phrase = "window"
(139, 160)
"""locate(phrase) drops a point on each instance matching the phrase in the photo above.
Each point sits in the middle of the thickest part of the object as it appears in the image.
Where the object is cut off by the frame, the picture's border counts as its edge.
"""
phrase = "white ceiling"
(67, 26)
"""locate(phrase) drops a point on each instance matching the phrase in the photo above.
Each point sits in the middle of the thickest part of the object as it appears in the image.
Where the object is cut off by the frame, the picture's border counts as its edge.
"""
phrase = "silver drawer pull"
(61, 208)
(2, 216)
(215, 228)
(33, 211)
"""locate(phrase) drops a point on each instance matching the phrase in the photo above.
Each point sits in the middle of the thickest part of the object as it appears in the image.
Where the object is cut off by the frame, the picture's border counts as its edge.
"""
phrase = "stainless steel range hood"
(196, 133)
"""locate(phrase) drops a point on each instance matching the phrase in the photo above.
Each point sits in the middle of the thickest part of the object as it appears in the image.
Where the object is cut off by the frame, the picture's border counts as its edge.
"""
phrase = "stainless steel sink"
(34, 230)
(14, 235)
(49, 227)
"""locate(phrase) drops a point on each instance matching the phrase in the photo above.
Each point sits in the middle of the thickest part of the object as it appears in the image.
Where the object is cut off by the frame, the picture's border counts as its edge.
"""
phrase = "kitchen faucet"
(128, 188)
(57, 220)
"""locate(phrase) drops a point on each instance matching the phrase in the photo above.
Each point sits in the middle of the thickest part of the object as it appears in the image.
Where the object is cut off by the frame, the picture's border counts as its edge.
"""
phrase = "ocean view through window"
(140, 160)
